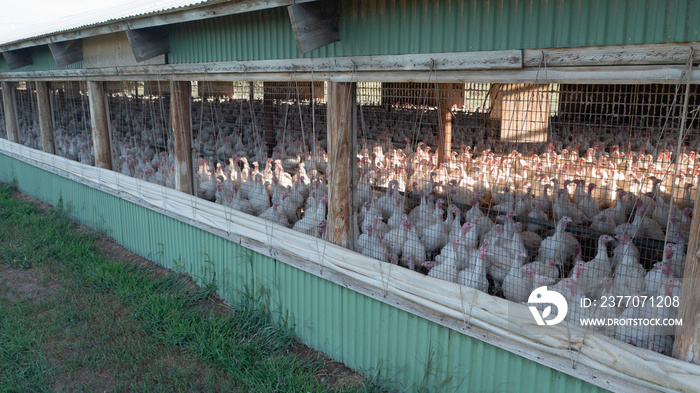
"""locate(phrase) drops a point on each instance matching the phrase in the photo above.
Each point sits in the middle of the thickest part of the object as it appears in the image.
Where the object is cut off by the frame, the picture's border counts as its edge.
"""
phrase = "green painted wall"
(364, 333)
(382, 27)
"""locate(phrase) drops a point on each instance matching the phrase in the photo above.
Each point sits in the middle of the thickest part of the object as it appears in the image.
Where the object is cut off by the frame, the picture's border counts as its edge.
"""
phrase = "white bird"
(596, 268)
(517, 285)
(475, 275)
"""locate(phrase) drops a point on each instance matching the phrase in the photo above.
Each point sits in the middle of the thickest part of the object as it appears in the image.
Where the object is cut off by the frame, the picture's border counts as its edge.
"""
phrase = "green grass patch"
(73, 321)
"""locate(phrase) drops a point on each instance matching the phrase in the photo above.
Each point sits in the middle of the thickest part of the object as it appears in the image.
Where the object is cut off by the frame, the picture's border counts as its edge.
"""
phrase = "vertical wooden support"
(269, 117)
(99, 120)
(687, 342)
(180, 109)
(445, 135)
(342, 126)
(45, 117)
(9, 103)
(449, 95)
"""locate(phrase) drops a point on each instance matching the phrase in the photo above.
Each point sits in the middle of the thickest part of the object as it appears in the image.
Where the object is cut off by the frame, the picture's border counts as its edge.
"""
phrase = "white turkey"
(474, 276)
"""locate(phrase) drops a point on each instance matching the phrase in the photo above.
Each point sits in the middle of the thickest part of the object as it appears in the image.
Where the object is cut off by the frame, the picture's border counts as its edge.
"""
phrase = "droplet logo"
(542, 296)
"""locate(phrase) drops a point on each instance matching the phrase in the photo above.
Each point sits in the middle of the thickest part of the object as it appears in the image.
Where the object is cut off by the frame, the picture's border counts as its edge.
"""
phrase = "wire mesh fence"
(586, 189)
(28, 130)
(141, 135)
(71, 121)
(260, 149)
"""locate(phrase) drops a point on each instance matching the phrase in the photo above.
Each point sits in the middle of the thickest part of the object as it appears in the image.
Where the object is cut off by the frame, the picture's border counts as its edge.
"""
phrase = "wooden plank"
(342, 125)
(149, 43)
(67, 52)
(9, 103)
(593, 358)
(181, 107)
(18, 58)
(113, 50)
(304, 70)
(315, 24)
(611, 55)
(45, 117)
(99, 120)
(520, 111)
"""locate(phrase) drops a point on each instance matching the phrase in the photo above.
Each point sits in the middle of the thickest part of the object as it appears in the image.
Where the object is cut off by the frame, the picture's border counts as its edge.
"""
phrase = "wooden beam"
(307, 70)
(67, 52)
(180, 109)
(9, 103)
(342, 125)
(269, 96)
(18, 58)
(149, 43)
(315, 24)
(672, 53)
(45, 117)
(99, 121)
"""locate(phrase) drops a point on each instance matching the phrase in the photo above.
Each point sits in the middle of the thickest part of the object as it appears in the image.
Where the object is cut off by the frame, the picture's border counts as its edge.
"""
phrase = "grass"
(71, 320)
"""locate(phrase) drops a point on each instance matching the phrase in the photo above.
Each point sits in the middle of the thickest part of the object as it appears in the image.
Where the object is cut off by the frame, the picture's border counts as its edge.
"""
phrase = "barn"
(399, 177)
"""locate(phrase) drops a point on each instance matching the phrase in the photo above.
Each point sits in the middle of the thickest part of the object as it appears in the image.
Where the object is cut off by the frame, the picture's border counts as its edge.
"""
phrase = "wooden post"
(445, 135)
(99, 120)
(9, 103)
(269, 117)
(687, 342)
(45, 117)
(448, 95)
(342, 125)
(180, 109)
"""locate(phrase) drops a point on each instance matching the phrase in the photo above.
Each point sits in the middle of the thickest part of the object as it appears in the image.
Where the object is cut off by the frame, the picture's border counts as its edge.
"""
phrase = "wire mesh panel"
(28, 129)
(587, 189)
(142, 143)
(260, 148)
(71, 117)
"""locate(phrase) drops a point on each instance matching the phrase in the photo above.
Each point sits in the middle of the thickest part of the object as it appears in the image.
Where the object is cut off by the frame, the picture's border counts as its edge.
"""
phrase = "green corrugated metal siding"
(422, 26)
(364, 333)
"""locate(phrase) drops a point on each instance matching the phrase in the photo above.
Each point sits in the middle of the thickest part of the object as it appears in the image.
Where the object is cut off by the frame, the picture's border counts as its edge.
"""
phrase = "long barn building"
(398, 176)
